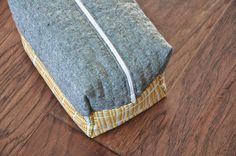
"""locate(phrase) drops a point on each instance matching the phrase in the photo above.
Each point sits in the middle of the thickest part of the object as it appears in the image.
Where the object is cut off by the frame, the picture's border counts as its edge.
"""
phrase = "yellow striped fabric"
(100, 121)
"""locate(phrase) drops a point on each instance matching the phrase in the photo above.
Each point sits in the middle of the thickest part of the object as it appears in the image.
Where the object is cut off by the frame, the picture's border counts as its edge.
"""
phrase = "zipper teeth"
(112, 48)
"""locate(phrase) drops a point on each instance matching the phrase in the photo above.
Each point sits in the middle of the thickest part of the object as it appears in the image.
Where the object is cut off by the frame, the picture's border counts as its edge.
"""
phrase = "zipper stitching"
(112, 48)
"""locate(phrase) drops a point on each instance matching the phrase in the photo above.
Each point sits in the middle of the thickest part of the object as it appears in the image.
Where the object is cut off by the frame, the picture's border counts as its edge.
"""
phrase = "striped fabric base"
(100, 121)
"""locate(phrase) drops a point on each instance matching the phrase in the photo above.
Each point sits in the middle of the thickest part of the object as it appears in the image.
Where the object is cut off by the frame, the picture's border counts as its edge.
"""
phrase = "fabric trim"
(100, 121)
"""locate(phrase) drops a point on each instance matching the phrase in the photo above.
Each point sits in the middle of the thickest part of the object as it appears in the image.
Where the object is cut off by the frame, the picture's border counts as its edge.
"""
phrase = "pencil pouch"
(103, 60)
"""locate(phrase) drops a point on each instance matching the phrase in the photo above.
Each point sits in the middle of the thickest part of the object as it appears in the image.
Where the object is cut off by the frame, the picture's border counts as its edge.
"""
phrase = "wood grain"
(197, 118)
(25, 99)
(60, 114)
(55, 138)
(184, 25)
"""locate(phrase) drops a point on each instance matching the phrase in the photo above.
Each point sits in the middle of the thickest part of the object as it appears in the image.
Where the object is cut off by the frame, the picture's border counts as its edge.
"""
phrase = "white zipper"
(112, 48)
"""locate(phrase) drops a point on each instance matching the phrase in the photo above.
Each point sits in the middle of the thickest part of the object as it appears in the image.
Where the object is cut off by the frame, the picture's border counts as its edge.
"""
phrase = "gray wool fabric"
(77, 58)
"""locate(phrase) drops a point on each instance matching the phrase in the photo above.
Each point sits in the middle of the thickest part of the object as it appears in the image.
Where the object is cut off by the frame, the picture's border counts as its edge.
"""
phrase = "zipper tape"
(112, 48)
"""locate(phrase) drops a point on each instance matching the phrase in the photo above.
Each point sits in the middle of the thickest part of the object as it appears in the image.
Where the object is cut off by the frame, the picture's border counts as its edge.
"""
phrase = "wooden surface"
(197, 118)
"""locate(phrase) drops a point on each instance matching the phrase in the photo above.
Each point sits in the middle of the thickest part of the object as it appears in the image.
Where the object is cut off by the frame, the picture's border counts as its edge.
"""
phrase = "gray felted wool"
(78, 59)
